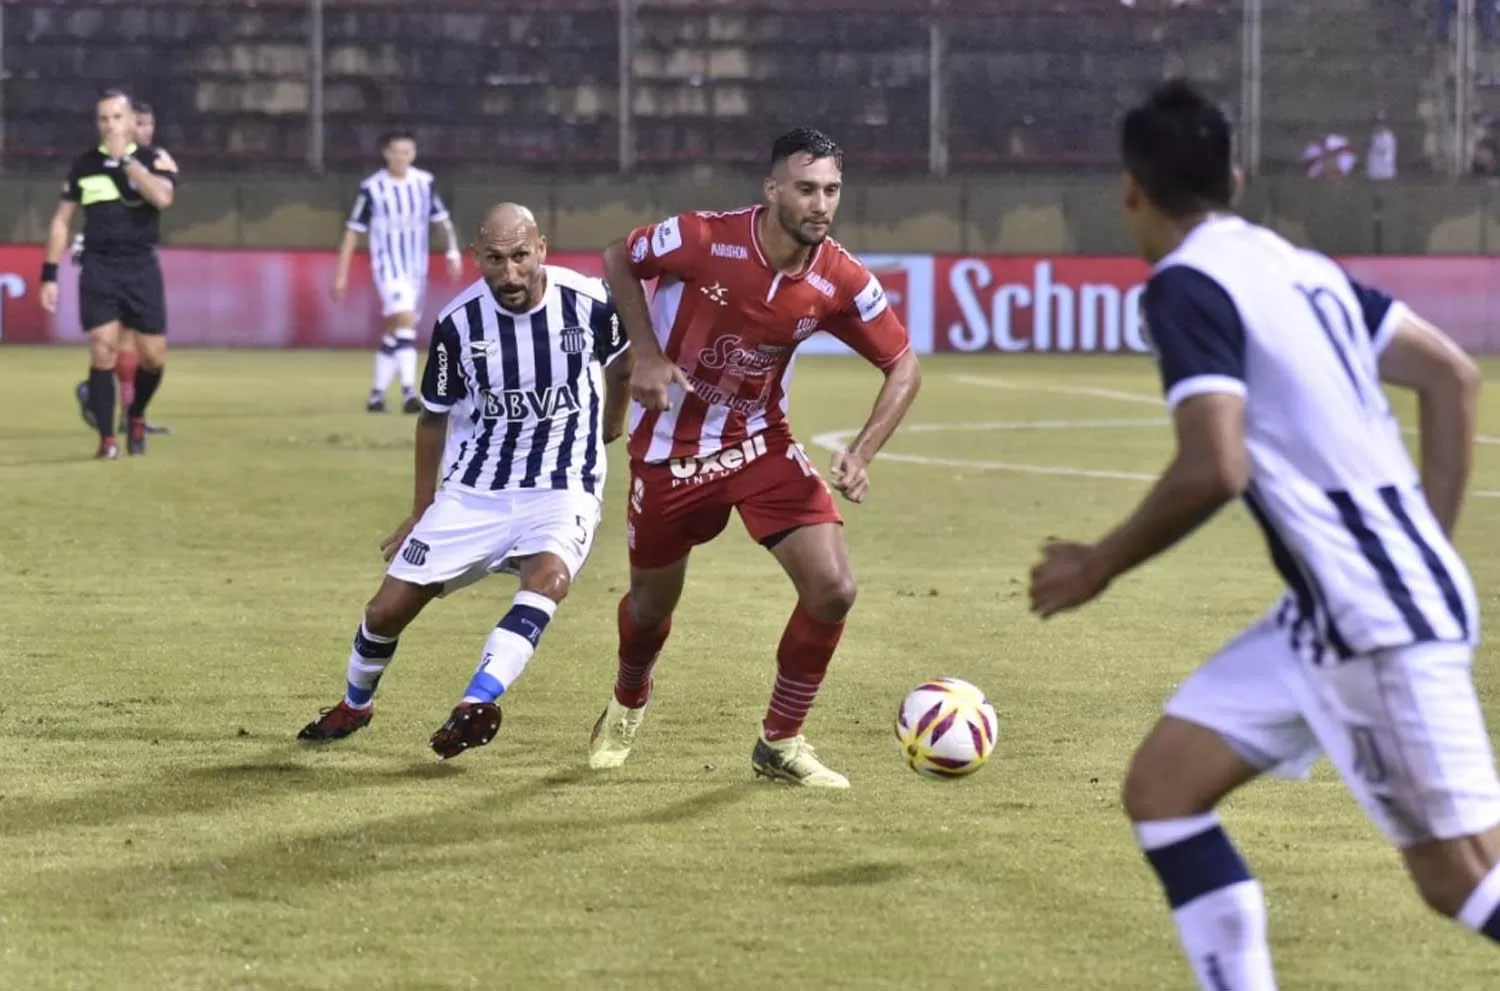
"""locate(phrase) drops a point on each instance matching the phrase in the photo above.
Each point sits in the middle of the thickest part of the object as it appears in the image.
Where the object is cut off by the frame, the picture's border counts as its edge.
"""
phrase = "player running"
(529, 368)
(123, 187)
(1272, 359)
(127, 358)
(737, 292)
(395, 209)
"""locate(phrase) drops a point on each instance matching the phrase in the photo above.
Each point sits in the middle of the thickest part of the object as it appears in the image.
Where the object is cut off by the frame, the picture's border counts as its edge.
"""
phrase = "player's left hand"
(455, 267)
(1068, 576)
(391, 544)
(851, 476)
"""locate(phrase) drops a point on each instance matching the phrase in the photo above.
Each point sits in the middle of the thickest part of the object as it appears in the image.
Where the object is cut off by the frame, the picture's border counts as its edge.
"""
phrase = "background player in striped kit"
(529, 368)
(127, 358)
(1272, 359)
(395, 209)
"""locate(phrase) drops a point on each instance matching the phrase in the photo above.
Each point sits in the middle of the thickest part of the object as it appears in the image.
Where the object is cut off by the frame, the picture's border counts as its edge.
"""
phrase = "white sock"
(1220, 910)
(368, 660)
(385, 364)
(1223, 934)
(510, 646)
(406, 358)
(1481, 912)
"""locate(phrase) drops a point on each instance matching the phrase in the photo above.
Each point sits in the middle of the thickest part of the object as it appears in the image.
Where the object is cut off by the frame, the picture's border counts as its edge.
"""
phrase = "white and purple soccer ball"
(946, 728)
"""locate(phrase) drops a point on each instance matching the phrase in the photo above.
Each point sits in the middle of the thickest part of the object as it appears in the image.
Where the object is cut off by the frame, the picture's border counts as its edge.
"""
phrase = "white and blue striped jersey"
(396, 215)
(1238, 309)
(525, 391)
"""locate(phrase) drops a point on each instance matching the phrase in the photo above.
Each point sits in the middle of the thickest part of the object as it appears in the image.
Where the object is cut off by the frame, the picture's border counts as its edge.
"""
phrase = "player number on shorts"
(797, 455)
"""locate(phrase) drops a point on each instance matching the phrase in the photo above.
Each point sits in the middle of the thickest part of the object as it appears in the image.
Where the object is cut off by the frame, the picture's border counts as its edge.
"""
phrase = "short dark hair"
(1177, 145)
(142, 107)
(391, 137)
(806, 141)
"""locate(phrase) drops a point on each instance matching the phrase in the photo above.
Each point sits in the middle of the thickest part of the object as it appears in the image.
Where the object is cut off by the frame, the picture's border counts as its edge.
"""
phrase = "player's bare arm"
(1211, 468)
(850, 474)
(1422, 358)
(432, 433)
(154, 189)
(653, 372)
(346, 259)
(57, 243)
(617, 395)
(451, 250)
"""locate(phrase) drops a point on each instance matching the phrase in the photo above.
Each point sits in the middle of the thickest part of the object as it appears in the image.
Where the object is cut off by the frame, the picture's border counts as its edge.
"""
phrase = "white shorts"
(463, 537)
(399, 296)
(1402, 726)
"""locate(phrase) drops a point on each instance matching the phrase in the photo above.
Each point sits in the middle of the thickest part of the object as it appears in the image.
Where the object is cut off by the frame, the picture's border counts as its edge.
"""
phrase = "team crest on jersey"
(531, 404)
(806, 327)
(716, 292)
(574, 340)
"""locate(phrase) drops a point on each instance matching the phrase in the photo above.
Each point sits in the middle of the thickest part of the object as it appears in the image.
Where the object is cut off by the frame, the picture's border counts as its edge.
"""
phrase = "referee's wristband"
(49, 272)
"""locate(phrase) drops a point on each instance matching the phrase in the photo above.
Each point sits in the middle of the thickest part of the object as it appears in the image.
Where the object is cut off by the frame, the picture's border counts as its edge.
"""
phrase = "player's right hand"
(49, 297)
(652, 378)
(391, 544)
(339, 287)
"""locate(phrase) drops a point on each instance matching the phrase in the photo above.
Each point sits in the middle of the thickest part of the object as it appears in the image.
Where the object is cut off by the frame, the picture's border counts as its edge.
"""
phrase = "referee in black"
(122, 186)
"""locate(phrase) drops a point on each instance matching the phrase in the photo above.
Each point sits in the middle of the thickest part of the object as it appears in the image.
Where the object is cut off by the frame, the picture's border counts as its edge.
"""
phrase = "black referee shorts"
(128, 289)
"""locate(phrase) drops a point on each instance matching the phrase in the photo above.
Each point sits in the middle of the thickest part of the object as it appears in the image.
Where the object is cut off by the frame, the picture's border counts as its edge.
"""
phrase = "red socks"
(801, 661)
(126, 363)
(639, 648)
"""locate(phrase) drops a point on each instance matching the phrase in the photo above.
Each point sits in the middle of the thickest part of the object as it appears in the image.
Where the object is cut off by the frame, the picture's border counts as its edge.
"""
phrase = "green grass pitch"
(168, 623)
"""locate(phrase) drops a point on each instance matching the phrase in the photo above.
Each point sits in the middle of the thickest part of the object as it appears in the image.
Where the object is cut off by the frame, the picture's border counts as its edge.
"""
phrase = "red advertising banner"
(967, 304)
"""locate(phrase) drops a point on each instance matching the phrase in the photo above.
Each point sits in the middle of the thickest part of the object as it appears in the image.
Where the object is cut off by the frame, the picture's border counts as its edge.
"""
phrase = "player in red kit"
(736, 293)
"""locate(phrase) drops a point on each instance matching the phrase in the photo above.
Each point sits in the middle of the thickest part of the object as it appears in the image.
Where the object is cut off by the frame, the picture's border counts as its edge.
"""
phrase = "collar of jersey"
(130, 149)
(760, 253)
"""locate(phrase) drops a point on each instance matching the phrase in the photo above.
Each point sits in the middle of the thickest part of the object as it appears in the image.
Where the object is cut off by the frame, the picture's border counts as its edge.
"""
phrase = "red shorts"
(678, 504)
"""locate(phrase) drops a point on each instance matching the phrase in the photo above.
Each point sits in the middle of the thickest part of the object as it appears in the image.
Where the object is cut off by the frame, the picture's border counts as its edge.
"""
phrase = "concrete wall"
(994, 215)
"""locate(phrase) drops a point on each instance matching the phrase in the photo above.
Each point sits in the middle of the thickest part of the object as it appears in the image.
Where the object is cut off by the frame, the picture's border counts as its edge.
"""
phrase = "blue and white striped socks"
(1219, 908)
(510, 646)
(367, 662)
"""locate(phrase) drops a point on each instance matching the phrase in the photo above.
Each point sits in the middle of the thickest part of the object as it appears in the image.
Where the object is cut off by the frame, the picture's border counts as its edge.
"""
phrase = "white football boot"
(794, 762)
(614, 734)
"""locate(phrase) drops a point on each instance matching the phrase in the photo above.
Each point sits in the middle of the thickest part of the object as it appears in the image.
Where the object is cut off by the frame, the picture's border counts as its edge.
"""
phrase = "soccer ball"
(946, 728)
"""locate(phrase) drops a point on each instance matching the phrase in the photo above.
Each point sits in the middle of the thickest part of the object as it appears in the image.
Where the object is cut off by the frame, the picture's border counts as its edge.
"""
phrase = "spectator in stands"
(1329, 159)
(1448, 8)
(1380, 160)
(1486, 158)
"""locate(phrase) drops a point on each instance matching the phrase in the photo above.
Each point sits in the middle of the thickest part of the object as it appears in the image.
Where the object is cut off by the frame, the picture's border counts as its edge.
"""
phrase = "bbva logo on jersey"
(525, 404)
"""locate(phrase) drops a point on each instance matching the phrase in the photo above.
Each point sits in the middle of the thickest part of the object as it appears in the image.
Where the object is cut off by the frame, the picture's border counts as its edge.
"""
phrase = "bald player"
(527, 378)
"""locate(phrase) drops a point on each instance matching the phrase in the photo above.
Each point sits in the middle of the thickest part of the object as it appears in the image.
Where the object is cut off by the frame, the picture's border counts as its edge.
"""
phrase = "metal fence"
(909, 87)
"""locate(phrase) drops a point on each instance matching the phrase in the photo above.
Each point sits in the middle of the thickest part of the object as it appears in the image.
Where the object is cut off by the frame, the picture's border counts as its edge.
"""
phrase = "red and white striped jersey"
(731, 322)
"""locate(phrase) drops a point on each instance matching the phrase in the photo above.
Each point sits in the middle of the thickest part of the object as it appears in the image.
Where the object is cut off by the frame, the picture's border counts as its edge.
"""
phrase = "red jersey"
(731, 322)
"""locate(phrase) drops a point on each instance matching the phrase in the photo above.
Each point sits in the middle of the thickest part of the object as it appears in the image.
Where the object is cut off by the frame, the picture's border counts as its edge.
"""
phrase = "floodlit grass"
(168, 623)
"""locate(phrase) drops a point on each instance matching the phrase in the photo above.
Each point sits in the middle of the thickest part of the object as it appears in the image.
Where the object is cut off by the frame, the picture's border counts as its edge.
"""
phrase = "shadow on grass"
(278, 863)
(852, 875)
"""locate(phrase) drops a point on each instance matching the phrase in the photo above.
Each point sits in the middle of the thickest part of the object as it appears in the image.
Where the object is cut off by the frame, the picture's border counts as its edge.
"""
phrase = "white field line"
(834, 440)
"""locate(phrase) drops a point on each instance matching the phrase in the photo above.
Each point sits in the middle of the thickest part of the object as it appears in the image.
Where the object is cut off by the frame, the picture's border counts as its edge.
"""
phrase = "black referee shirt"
(117, 220)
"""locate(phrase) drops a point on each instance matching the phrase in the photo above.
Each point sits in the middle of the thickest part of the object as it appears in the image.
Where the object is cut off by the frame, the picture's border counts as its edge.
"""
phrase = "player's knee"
(650, 607)
(387, 615)
(553, 583)
(831, 599)
(1149, 796)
